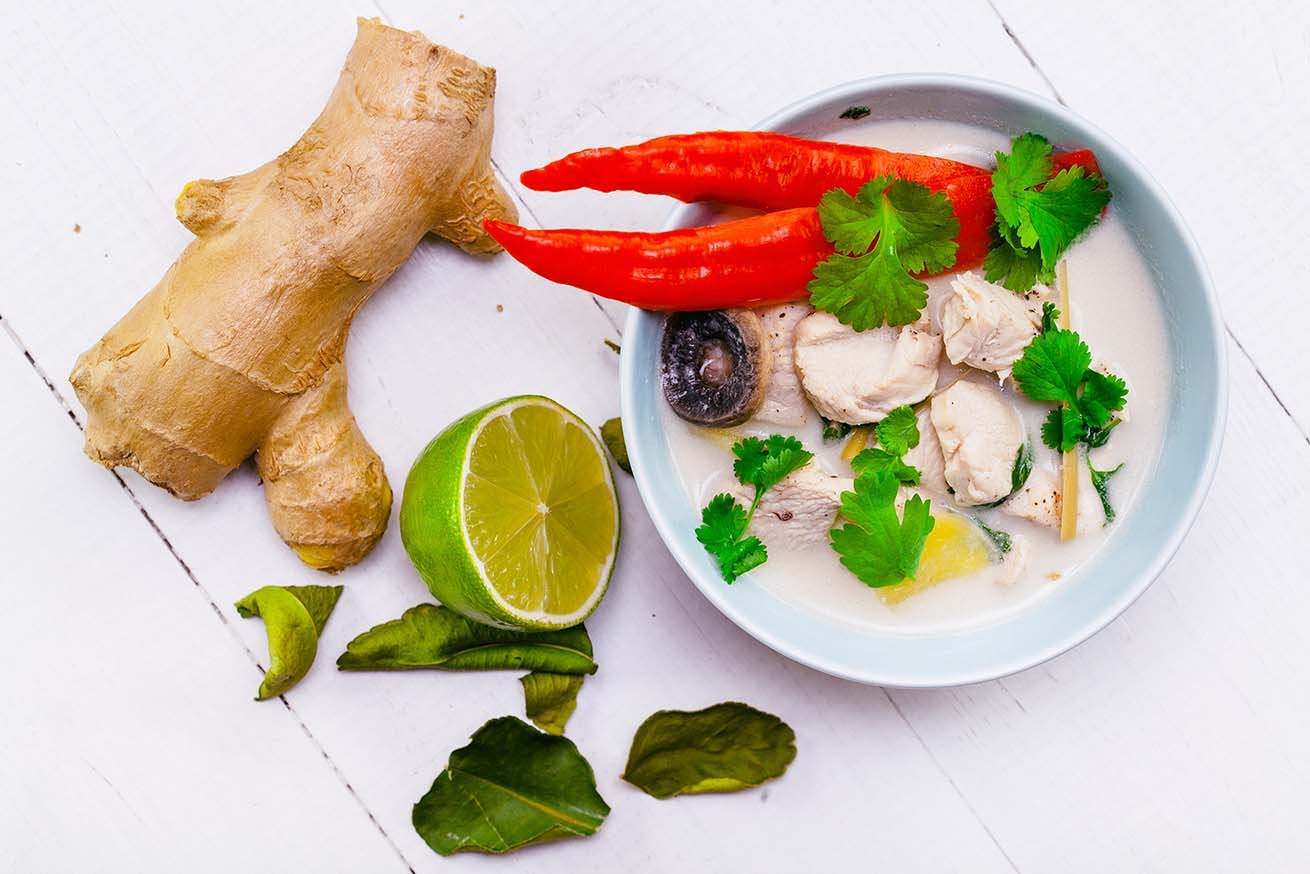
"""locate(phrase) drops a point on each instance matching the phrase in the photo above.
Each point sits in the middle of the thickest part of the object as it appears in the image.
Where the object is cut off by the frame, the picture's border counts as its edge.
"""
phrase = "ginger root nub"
(240, 347)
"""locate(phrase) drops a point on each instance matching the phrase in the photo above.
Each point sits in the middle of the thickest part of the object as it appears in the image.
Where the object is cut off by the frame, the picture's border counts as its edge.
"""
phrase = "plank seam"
(186, 569)
(951, 781)
(1023, 50)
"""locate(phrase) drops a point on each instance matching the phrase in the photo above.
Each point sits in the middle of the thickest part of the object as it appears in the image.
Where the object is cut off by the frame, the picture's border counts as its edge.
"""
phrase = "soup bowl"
(1144, 539)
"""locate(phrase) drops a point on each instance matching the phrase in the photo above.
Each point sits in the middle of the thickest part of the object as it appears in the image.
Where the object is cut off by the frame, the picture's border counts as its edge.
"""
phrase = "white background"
(1176, 740)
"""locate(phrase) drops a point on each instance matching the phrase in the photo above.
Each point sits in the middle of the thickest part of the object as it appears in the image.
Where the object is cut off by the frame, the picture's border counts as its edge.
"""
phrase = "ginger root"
(239, 349)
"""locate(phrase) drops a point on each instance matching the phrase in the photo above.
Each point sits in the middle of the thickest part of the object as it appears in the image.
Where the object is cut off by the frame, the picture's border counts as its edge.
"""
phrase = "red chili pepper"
(749, 262)
(1081, 157)
(746, 168)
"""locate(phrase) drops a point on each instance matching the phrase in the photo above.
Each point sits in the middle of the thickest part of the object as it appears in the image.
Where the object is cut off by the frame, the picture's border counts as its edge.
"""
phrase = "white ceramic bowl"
(1143, 541)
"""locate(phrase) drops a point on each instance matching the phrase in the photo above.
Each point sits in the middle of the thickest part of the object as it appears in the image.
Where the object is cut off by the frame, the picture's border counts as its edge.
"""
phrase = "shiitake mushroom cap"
(715, 365)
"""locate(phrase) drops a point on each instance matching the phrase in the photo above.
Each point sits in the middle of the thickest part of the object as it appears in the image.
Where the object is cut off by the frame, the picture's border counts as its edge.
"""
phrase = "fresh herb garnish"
(511, 786)
(1038, 216)
(855, 113)
(762, 464)
(877, 546)
(1056, 368)
(910, 228)
(1101, 482)
(896, 434)
(723, 748)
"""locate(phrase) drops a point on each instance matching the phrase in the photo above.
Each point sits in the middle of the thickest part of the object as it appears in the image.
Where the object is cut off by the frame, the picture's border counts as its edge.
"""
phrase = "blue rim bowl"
(1144, 541)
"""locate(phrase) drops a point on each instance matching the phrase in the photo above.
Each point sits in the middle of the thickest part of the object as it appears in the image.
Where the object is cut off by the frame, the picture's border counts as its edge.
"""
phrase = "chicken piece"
(784, 401)
(1039, 500)
(986, 326)
(799, 511)
(981, 434)
(927, 456)
(860, 377)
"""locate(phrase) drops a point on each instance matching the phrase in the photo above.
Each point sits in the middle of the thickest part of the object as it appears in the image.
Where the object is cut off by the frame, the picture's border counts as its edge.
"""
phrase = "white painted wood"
(1174, 740)
(130, 740)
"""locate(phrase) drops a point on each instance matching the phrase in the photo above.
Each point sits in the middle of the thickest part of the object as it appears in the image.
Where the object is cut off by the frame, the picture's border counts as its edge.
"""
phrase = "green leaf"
(911, 230)
(879, 548)
(834, 431)
(723, 524)
(1027, 166)
(1013, 266)
(1102, 395)
(723, 748)
(510, 787)
(765, 463)
(1023, 467)
(429, 636)
(1063, 429)
(612, 433)
(1000, 539)
(294, 617)
(1101, 482)
(898, 432)
(1050, 317)
(881, 461)
(1038, 216)
(550, 699)
(1053, 366)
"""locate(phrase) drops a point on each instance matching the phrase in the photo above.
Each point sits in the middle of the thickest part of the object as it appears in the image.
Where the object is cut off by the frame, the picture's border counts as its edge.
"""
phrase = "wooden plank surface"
(1169, 741)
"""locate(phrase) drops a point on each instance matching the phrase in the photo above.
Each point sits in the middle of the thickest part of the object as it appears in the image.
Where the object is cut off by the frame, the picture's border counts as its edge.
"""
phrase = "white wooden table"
(1176, 740)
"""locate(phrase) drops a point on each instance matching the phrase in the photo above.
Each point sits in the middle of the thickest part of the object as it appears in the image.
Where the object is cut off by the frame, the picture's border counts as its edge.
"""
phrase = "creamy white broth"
(1115, 307)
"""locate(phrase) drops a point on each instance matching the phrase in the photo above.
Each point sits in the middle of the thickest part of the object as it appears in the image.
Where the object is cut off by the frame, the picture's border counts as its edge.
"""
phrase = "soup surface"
(1114, 307)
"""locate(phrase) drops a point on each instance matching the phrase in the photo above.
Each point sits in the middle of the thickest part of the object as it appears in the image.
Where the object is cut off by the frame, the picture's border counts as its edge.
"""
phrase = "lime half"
(511, 518)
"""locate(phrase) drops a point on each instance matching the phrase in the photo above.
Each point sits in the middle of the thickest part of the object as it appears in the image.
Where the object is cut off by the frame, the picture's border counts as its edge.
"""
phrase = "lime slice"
(511, 518)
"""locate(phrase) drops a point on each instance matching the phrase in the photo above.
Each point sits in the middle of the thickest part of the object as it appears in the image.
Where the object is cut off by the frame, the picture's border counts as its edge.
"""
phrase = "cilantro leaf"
(878, 460)
(1050, 317)
(1016, 268)
(1027, 166)
(1063, 429)
(723, 522)
(898, 432)
(764, 463)
(1053, 366)
(1102, 395)
(877, 546)
(1039, 216)
(1101, 482)
(1061, 211)
(911, 229)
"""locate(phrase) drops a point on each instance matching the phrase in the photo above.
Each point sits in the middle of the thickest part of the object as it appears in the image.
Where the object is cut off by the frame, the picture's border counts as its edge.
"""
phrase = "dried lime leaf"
(510, 787)
(723, 748)
(294, 617)
(428, 636)
(612, 433)
(550, 699)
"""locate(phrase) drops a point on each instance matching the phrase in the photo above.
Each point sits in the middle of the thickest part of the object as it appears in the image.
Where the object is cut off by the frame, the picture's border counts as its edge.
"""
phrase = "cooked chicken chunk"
(784, 401)
(860, 377)
(1039, 500)
(986, 326)
(927, 456)
(981, 434)
(799, 511)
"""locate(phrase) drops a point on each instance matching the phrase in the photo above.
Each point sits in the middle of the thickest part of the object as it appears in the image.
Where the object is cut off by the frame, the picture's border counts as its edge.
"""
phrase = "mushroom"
(715, 366)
